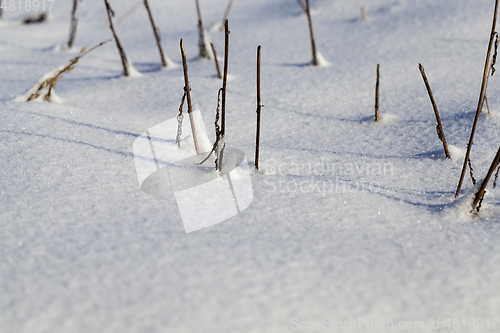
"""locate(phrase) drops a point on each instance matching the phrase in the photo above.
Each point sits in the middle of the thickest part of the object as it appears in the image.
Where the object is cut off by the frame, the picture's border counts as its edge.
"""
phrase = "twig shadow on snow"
(147, 67)
(459, 40)
(432, 208)
(117, 152)
(437, 154)
(300, 65)
(73, 122)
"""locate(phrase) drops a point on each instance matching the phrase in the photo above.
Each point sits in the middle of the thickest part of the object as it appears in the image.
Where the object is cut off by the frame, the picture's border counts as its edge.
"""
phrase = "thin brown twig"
(188, 96)
(123, 56)
(224, 89)
(376, 94)
(219, 75)
(74, 24)
(436, 112)
(482, 190)
(487, 104)
(481, 97)
(52, 81)
(313, 44)
(201, 34)
(259, 107)
(156, 33)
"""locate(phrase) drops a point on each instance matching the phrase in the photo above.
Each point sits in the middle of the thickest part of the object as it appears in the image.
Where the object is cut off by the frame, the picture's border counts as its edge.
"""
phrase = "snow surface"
(370, 231)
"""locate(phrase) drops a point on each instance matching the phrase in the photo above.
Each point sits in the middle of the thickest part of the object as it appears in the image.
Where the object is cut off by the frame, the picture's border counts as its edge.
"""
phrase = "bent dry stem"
(436, 112)
(480, 102)
(223, 104)
(482, 190)
(123, 56)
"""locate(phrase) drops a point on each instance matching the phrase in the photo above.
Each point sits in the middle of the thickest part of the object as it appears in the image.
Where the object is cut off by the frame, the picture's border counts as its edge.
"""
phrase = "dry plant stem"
(487, 104)
(157, 34)
(52, 82)
(226, 13)
(485, 99)
(74, 24)
(482, 189)
(128, 12)
(188, 97)
(480, 102)
(302, 5)
(376, 93)
(123, 56)
(201, 34)
(259, 107)
(436, 112)
(219, 75)
(313, 44)
(224, 86)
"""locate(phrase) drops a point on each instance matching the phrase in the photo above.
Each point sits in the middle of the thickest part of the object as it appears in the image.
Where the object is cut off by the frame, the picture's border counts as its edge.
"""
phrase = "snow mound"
(457, 154)
(62, 47)
(132, 72)
(322, 62)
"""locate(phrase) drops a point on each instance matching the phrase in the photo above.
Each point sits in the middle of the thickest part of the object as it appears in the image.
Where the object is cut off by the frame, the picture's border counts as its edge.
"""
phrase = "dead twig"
(123, 56)
(259, 107)
(439, 127)
(188, 96)
(73, 25)
(376, 93)
(51, 82)
(224, 89)
(480, 103)
(219, 75)
(156, 33)
(313, 44)
(476, 204)
(201, 34)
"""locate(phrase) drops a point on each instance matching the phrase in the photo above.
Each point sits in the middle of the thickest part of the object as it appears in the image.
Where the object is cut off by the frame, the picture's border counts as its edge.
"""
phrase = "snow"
(349, 218)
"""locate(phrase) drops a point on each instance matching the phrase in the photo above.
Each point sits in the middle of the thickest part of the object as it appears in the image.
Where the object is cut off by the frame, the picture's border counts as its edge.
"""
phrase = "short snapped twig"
(219, 75)
(476, 204)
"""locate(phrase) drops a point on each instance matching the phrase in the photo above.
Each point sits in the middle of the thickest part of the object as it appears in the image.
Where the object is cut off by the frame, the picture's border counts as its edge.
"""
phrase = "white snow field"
(368, 239)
